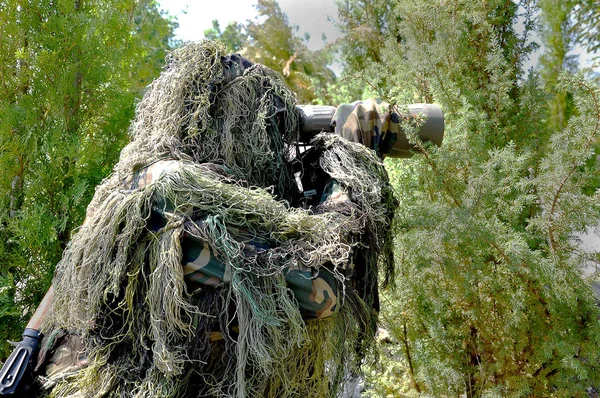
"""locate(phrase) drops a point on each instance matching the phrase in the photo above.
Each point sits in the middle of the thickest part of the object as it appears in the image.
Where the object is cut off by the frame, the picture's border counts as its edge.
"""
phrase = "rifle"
(17, 367)
(313, 120)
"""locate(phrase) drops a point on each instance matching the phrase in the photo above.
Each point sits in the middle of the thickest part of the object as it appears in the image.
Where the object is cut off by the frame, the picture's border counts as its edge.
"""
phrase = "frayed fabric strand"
(210, 162)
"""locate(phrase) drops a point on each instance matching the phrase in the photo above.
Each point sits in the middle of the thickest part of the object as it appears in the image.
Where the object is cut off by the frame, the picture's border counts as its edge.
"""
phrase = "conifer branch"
(433, 69)
(433, 166)
(2, 75)
(532, 289)
(436, 171)
(589, 142)
(409, 357)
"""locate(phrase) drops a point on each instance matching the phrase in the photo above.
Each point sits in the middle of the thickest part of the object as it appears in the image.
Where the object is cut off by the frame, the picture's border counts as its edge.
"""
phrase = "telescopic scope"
(317, 118)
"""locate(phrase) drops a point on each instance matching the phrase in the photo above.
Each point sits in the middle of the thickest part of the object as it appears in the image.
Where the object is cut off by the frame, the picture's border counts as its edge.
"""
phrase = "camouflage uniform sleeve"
(315, 289)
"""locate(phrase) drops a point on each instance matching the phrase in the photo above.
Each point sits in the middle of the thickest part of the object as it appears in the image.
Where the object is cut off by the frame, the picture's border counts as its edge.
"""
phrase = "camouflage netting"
(229, 127)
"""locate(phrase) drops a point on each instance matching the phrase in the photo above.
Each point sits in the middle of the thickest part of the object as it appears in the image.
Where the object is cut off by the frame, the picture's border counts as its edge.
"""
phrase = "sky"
(195, 17)
(311, 16)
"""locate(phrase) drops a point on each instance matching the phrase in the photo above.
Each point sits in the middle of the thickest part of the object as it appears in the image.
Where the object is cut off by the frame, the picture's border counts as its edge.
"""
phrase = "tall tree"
(558, 39)
(366, 25)
(587, 27)
(272, 41)
(233, 36)
(489, 299)
(69, 75)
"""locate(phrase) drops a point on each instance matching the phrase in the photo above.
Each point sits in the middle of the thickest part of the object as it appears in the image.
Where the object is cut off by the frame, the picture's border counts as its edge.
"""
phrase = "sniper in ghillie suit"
(221, 258)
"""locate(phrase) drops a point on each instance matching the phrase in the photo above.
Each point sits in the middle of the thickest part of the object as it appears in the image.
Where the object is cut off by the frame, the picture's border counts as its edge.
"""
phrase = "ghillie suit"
(196, 273)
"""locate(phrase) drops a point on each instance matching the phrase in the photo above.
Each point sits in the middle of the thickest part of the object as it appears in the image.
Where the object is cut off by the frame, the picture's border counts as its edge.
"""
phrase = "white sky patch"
(194, 17)
(314, 17)
(311, 16)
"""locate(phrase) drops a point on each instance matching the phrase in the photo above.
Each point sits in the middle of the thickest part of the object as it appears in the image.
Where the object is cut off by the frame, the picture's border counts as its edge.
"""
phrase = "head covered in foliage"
(198, 110)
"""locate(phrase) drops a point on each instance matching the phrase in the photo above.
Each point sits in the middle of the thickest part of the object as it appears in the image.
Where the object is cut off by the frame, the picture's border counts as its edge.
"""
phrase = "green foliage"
(69, 75)
(273, 42)
(233, 35)
(557, 25)
(587, 27)
(366, 26)
(490, 300)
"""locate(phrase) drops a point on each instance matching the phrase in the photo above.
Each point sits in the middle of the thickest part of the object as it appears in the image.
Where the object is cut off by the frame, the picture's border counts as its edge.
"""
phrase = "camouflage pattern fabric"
(66, 357)
(316, 290)
(368, 122)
